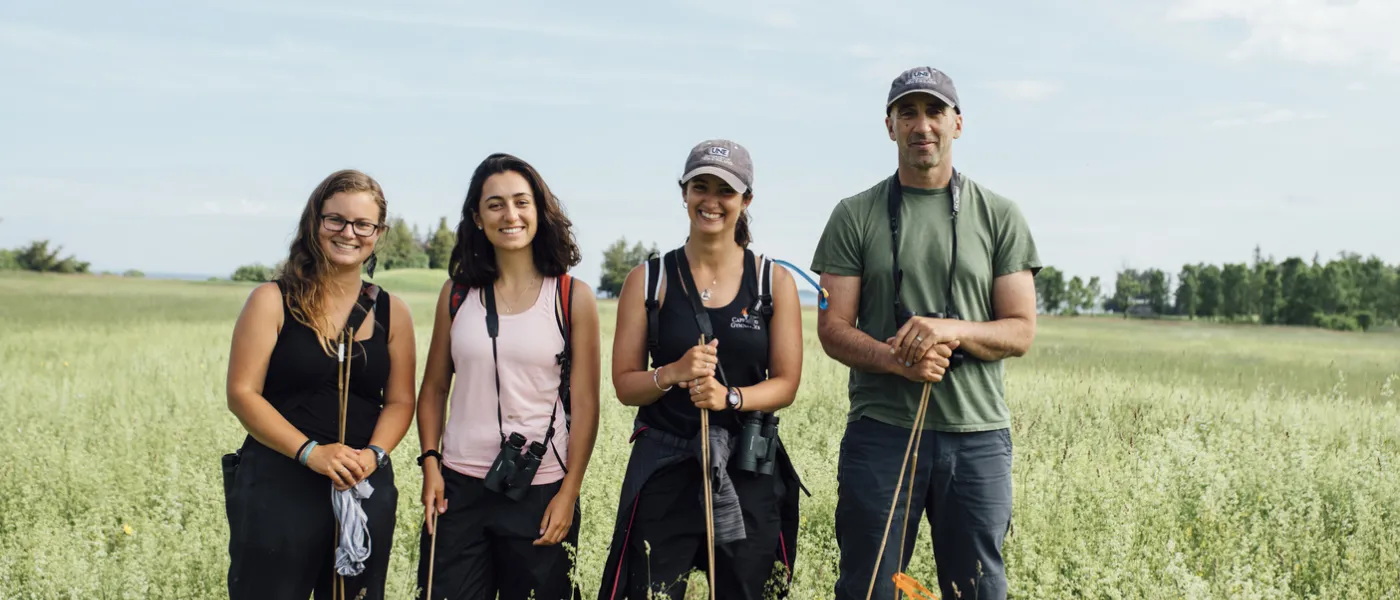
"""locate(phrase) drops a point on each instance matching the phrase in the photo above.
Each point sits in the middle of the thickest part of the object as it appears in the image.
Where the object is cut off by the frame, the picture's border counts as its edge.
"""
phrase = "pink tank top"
(526, 346)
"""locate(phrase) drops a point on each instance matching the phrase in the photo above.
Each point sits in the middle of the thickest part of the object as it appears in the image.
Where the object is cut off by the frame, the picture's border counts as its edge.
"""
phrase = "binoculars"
(514, 468)
(758, 444)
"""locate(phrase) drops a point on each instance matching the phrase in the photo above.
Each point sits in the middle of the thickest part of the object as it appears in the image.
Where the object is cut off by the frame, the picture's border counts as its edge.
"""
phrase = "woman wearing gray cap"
(747, 368)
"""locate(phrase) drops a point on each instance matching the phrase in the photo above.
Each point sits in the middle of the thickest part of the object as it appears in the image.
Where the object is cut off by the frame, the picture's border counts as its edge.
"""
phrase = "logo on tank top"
(746, 321)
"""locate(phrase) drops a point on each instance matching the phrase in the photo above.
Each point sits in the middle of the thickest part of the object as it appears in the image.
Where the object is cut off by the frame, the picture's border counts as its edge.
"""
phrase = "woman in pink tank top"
(501, 479)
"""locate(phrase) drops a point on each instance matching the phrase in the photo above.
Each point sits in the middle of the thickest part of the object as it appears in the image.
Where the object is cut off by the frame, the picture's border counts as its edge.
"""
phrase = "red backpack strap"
(564, 299)
(455, 298)
(566, 292)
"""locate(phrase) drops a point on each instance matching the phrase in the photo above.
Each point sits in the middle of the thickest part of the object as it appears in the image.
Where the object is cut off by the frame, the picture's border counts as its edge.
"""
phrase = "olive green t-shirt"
(993, 240)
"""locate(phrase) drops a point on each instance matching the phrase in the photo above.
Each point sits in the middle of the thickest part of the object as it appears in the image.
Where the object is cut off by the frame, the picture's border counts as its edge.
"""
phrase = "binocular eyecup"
(514, 468)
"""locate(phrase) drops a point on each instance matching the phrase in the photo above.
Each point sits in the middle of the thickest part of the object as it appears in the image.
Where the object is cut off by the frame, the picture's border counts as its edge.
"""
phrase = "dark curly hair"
(473, 261)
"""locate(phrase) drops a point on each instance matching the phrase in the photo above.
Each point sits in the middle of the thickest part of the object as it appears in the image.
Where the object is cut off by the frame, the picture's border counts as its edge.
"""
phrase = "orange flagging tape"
(912, 588)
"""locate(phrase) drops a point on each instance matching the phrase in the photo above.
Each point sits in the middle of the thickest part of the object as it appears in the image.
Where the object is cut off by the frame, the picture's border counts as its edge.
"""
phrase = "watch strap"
(380, 456)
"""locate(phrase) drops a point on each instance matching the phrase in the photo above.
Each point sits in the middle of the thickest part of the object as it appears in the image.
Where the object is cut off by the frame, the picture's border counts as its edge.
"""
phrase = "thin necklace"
(705, 293)
(510, 309)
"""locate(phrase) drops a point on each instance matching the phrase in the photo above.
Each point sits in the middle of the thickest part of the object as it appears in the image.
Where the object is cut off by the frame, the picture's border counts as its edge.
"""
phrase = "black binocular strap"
(895, 204)
(677, 262)
(493, 329)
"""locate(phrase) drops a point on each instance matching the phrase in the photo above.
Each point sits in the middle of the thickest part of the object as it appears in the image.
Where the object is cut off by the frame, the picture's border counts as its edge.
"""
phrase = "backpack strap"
(564, 300)
(564, 303)
(456, 296)
(455, 299)
(654, 277)
(764, 305)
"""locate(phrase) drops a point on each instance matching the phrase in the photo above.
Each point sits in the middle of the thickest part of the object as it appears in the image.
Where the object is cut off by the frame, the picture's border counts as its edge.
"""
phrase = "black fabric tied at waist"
(656, 449)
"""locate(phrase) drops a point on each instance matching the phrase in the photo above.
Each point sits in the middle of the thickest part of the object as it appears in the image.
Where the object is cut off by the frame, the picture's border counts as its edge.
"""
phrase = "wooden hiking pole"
(432, 553)
(904, 582)
(894, 503)
(343, 382)
(709, 501)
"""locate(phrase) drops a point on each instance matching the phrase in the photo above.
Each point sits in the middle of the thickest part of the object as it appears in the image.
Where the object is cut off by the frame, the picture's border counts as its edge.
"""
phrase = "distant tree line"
(1349, 292)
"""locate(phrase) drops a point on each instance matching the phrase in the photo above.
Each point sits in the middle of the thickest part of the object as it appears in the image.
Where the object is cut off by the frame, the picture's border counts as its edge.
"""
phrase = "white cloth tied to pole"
(353, 549)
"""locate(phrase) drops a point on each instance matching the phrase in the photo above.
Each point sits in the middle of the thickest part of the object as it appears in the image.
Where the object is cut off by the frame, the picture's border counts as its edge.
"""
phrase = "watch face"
(733, 398)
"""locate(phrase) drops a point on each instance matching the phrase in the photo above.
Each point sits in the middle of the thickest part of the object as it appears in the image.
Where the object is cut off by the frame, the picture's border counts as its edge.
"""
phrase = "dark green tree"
(399, 248)
(1075, 296)
(39, 258)
(1157, 291)
(1050, 290)
(1187, 286)
(1093, 291)
(1300, 294)
(618, 261)
(1209, 294)
(1271, 301)
(1234, 291)
(440, 245)
(1127, 291)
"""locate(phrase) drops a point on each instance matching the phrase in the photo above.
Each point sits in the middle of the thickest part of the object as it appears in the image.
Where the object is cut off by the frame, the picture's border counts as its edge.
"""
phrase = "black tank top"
(301, 379)
(743, 349)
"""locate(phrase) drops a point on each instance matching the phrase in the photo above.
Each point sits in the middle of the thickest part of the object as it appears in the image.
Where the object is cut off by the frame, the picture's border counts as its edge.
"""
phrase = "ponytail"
(741, 228)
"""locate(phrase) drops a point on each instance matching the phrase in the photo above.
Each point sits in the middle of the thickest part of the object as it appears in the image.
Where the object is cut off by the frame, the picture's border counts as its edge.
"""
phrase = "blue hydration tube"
(821, 292)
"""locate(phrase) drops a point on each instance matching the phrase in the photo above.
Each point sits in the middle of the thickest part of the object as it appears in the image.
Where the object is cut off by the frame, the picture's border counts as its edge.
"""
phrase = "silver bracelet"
(655, 375)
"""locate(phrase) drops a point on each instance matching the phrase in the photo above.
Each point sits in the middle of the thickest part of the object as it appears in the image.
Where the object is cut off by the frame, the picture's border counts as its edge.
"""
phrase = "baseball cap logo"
(717, 151)
(920, 75)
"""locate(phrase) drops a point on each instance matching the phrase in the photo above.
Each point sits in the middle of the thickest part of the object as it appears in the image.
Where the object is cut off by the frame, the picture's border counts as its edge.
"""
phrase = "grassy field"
(1153, 460)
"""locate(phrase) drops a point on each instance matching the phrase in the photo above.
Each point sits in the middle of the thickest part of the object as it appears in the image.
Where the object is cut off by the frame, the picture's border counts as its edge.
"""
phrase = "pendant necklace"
(705, 294)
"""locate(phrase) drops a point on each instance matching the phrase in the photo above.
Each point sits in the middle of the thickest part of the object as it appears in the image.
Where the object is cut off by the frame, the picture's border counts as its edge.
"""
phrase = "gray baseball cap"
(722, 158)
(926, 80)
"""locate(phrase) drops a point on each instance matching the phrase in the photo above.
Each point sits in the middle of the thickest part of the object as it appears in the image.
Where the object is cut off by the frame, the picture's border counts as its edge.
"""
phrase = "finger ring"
(918, 338)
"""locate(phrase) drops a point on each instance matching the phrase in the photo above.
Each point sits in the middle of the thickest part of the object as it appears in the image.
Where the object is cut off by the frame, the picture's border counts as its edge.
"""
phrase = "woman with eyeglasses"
(502, 476)
(321, 375)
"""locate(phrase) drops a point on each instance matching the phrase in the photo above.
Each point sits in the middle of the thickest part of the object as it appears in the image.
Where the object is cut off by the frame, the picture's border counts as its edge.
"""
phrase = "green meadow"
(1153, 459)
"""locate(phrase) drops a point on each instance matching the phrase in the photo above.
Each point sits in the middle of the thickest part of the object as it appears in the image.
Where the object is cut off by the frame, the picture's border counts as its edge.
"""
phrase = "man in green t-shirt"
(898, 325)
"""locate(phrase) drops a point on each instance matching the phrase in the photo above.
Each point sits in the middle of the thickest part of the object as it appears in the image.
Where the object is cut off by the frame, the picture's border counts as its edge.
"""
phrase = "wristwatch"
(381, 457)
(735, 399)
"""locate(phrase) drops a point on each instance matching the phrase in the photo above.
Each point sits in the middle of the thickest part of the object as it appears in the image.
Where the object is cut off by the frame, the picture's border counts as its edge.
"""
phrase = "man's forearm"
(994, 340)
(856, 349)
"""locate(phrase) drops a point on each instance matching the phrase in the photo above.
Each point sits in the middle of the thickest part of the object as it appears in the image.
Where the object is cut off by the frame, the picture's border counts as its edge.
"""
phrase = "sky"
(186, 137)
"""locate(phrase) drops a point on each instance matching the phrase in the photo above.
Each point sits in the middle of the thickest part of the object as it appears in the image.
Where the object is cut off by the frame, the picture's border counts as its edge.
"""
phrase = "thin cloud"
(241, 207)
(1321, 32)
(1027, 90)
(1262, 114)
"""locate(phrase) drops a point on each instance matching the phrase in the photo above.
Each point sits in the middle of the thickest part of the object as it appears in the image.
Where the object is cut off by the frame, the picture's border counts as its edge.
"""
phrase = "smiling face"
(507, 212)
(714, 206)
(357, 216)
(923, 127)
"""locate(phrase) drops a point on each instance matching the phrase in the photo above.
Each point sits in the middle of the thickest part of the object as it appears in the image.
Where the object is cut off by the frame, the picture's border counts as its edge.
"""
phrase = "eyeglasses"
(336, 224)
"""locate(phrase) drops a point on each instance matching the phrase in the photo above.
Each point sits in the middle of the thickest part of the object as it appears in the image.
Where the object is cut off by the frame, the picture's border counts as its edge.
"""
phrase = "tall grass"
(1152, 460)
